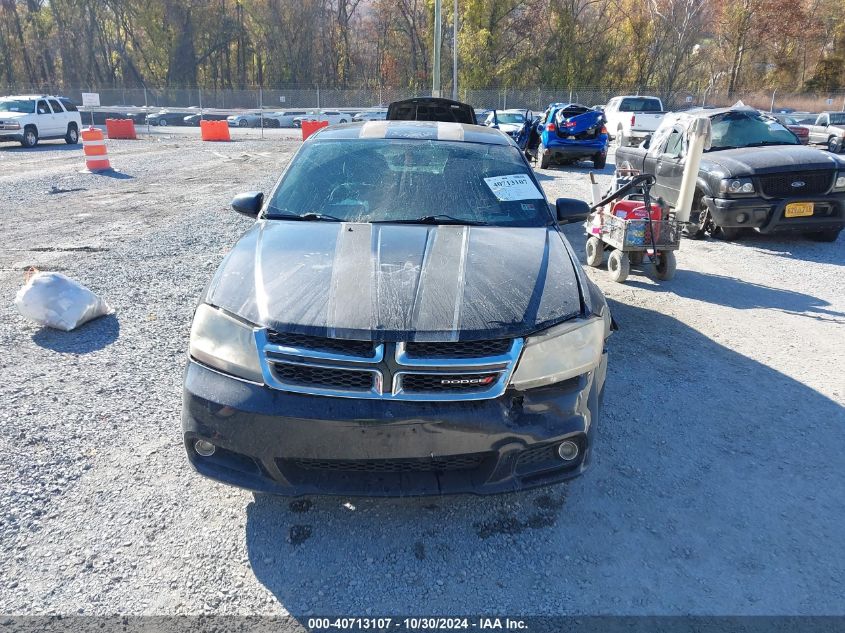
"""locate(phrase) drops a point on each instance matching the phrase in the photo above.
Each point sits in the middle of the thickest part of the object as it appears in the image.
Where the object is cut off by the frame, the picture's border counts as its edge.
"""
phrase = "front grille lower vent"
(422, 464)
(428, 383)
(324, 377)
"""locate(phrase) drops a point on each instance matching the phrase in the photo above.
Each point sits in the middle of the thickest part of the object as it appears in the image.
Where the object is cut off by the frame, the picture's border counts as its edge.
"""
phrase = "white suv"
(30, 118)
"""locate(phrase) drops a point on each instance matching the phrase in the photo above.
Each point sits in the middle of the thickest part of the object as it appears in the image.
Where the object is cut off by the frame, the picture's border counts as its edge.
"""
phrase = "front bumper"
(291, 444)
(8, 135)
(768, 216)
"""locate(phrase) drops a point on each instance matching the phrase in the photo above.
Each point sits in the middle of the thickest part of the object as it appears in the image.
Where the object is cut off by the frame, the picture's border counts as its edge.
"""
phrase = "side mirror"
(571, 210)
(248, 203)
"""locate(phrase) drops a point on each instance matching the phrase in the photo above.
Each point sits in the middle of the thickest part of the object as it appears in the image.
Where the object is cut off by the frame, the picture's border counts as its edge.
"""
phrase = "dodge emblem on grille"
(798, 184)
(484, 380)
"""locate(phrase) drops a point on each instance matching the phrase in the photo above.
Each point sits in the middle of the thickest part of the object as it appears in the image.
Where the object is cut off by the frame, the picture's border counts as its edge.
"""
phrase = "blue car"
(570, 132)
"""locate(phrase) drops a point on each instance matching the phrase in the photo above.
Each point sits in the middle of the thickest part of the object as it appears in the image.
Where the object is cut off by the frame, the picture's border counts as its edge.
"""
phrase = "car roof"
(717, 111)
(421, 130)
(28, 97)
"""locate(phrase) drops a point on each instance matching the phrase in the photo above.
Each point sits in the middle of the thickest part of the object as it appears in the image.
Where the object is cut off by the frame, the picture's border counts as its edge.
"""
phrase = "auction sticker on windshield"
(513, 187)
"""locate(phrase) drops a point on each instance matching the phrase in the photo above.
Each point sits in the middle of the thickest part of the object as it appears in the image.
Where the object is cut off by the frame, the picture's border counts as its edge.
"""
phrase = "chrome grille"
(439, 371)
(806, 183)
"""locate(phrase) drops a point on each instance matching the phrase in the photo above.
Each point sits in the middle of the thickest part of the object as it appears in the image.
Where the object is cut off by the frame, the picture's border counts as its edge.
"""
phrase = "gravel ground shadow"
(90, 337)
(795, 246)
(706, 486)
(740, 295)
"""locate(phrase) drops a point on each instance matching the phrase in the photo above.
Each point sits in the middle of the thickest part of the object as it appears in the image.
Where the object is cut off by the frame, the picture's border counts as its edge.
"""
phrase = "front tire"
(619, 266)
(695, 230)
(243, 123)
(163, 122)
(830, 235)
(833, 145)
(343, 121)
(72, 136)
(595, 252)
(30, 136)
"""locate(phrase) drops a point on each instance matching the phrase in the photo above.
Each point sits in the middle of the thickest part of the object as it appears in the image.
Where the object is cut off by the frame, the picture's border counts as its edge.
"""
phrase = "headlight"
(736, 186)
(561, 352)
(223, 342)
(13, 126)
(840, 183)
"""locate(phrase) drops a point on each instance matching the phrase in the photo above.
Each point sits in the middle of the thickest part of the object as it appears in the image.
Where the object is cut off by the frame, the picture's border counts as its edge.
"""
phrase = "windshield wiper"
(763, 143)
(306, 217)
(433, 219)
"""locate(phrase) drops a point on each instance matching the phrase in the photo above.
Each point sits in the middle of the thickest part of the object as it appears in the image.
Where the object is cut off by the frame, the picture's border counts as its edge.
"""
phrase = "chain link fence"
(360, 98)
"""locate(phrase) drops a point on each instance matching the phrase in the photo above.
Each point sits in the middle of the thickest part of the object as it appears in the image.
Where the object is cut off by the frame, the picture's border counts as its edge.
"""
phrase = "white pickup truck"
(30, 118)
(632, 118)
(829, 130)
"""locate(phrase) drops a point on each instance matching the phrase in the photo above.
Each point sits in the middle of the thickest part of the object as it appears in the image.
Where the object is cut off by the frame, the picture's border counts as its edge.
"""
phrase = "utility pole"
(455, 52)
(435, 74)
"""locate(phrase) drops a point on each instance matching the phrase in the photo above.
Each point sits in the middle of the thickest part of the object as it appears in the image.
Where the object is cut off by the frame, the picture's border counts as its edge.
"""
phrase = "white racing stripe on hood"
(449, 131)
(373, 129)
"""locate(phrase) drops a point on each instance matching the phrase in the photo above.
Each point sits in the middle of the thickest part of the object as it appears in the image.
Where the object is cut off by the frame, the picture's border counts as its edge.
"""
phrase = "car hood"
(398, 282)
(14, 115)
(752, 161)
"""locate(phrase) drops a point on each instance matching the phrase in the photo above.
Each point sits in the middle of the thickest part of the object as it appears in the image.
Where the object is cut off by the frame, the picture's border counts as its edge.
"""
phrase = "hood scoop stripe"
(353, 279)
(437, 304)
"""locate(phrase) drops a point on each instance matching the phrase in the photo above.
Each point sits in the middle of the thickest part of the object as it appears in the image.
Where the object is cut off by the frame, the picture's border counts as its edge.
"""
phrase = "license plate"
(799, 209)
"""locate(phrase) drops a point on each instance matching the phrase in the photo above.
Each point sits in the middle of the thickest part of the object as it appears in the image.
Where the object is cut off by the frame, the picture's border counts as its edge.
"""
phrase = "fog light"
(567, 450)
(741, 218)
(203, 448)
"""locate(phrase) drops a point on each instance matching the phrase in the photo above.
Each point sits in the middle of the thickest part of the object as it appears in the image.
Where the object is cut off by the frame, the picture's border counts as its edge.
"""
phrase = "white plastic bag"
(57, 301)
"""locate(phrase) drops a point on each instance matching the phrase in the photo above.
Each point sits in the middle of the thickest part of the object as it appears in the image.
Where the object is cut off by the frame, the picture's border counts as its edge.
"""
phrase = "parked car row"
(756, 174)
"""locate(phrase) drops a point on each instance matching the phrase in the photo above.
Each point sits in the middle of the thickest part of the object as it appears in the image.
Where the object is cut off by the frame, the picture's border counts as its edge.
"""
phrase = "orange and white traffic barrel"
(94, 147)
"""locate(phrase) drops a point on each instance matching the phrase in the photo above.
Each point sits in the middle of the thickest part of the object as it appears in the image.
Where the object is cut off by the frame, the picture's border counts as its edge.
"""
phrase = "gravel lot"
(716, 489)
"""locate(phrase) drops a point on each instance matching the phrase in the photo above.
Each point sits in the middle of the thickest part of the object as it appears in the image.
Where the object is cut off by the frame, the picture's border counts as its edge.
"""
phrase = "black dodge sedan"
(405, 317)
